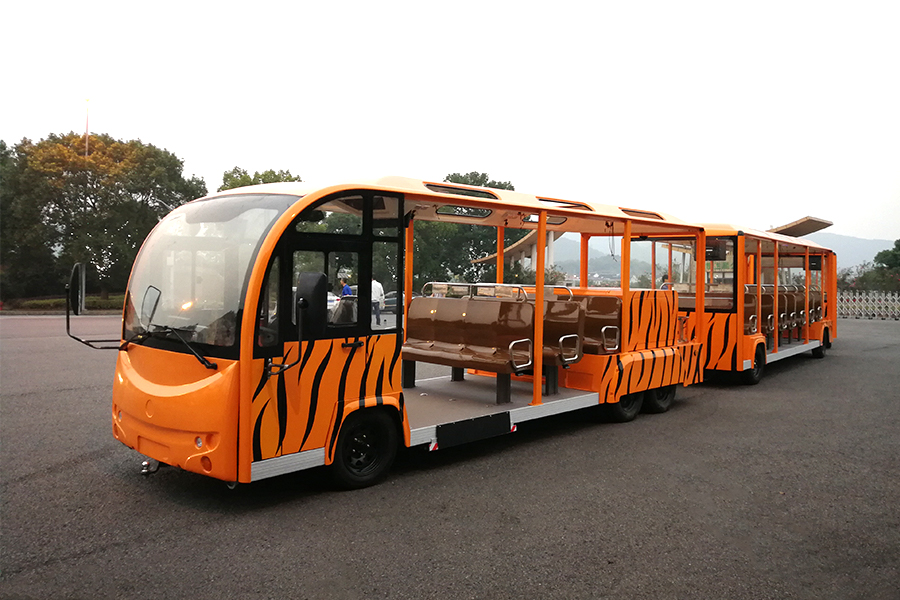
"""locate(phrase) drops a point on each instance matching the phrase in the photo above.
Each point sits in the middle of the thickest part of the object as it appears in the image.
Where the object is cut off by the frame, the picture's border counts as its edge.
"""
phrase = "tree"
(889, 259)
(882, 275)
(64, 206)
(238, 177)
(478, 179)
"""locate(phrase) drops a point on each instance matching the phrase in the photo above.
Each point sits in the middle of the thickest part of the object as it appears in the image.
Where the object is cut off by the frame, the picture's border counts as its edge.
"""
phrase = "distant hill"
(567, 254)
(851, 251)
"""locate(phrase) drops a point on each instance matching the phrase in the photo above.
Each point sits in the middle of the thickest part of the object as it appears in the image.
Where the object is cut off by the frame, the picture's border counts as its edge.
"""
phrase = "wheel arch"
(389, 405)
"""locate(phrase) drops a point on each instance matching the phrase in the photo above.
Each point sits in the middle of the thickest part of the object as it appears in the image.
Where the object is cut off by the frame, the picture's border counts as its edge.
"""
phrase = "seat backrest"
(515, 322)
(600, 312)
(562, 318)
(482, 322)
(450, 319)
(420, 318)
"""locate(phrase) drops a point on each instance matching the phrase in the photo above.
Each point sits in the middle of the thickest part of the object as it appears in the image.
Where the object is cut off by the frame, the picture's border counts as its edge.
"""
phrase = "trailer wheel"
(626, 409)
(826, 343)
(754, 375)
(366, 448)
(658, 400)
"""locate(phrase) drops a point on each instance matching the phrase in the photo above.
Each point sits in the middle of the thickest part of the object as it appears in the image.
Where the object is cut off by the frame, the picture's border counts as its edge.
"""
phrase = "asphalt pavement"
(787, 489)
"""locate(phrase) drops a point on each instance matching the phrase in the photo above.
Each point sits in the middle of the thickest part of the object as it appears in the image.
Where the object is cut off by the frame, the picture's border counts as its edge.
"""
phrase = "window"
(387, 297)
(720, 274)
(336, 216)
(385, 216)
(463, 211)
(341, 269)
(458, 191)
(267, 322)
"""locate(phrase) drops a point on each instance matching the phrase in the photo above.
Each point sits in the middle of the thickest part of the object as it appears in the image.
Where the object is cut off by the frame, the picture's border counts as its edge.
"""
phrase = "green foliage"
(238, 177)
(112, 303)
(517, 274)
(478, 179)
(889, 259)
(882, 275)
(60, 206)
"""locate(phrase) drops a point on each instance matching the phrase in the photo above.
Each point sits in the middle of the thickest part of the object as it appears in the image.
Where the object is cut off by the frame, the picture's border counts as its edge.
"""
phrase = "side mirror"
(312, 304)
(75, 290)
(149, 305)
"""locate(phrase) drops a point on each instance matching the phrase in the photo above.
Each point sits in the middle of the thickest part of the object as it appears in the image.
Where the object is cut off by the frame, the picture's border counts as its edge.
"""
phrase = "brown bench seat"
(602, 323)
(490, 334)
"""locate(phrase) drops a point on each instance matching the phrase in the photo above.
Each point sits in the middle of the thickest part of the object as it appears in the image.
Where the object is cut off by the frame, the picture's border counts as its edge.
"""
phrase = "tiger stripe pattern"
(654, 315)
(721, 341)
(287, 409)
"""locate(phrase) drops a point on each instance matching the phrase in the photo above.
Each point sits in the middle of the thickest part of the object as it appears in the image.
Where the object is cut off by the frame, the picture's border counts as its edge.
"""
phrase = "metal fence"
(853, 304)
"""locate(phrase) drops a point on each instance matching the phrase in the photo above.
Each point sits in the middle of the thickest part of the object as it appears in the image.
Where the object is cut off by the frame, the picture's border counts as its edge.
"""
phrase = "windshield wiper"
(203, 360)
(138, 339)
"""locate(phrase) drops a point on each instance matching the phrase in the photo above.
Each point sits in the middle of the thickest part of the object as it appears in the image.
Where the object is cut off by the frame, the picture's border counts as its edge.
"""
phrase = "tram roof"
(509, 208)
(725, 229)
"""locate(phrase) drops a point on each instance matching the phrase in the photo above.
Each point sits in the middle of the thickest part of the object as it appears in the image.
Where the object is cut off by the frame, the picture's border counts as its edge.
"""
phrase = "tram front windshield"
(189, 279)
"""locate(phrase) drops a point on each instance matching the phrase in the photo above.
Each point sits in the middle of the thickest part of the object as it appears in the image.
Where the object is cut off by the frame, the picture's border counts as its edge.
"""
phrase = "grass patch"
(114, 302)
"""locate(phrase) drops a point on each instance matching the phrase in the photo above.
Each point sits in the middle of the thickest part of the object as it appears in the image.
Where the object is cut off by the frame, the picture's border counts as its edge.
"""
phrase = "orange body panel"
(296, 411)
(654, 315)
(614, 375)
(164, 401)
(721, 342)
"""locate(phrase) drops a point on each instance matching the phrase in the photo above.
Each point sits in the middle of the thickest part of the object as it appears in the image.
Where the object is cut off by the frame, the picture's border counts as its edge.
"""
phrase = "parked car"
(390, 301)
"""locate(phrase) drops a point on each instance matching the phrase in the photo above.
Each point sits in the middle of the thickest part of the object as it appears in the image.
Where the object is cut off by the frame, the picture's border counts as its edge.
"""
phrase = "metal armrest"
(562, 350)
(605, 339)
(512, 358)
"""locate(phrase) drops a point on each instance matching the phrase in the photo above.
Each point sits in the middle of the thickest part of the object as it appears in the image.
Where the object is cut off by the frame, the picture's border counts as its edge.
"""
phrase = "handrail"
(470, 290)
(556, 287)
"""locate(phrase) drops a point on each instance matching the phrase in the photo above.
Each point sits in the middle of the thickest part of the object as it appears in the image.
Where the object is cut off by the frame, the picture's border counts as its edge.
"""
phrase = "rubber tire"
(826, 343)
(659, 400)
(754, 375)
(626, 409)
(366, 448)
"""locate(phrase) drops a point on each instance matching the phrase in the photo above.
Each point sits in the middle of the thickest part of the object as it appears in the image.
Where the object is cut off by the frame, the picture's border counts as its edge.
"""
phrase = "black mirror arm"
(273, 368)
(90, 343)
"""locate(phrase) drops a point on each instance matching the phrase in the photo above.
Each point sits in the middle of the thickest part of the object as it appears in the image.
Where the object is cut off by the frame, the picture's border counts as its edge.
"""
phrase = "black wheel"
(626, 409)
(658, 400)
(820, 351)
(754, 375)
(366, 448)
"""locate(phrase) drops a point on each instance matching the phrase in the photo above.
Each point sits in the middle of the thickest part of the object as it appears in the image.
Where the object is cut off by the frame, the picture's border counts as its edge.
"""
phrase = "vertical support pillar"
(806, 308)
(739, 283)
(653, 265)
(759, 323)
(550, 256)
(408, 277)
(700, 307)
(408, 374)
(538, 351)
(501, 261)
(669, 277)
(625, 284)
(777, 334)
(585, 248)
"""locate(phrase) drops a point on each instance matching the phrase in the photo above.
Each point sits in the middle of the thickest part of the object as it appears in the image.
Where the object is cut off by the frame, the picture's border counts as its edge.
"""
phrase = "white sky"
(756, 113)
